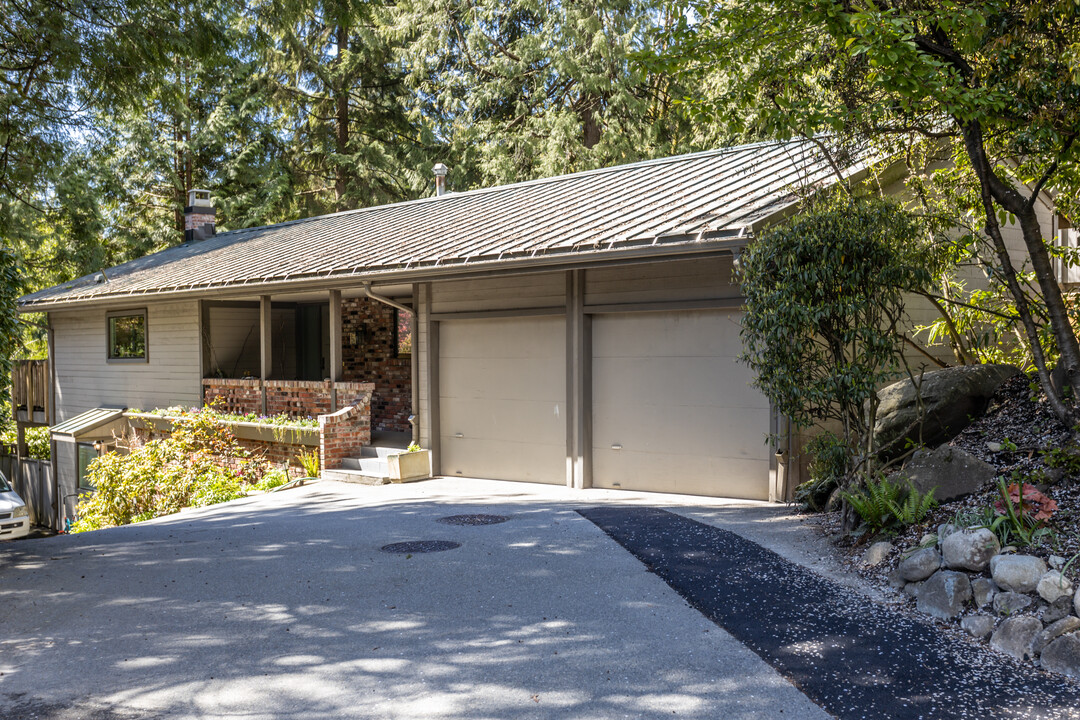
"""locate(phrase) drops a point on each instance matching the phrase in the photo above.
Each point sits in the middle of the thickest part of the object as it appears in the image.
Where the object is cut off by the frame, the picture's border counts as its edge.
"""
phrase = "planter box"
(406, 467)
(284, 435)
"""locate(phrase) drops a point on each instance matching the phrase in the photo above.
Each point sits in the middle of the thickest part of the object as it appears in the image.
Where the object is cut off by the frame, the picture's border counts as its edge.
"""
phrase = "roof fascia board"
(521, 266)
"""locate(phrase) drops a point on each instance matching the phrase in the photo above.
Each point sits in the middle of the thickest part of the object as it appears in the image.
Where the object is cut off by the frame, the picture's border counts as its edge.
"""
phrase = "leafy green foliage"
(200, 464)
(1063, 458)
(280, 420)
(829, 458)
(885, 505)
(1013, 519)
(272, 479)
(9, 325)
(824, 301)
(310, 462)
(37, 440)
(988, 95)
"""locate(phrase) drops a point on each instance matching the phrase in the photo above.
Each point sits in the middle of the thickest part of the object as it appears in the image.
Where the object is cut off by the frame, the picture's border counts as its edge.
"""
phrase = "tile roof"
(589, 215)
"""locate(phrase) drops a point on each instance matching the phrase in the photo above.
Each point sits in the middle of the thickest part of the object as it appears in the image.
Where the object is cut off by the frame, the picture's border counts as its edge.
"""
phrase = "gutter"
(718, 243)
(383, 299)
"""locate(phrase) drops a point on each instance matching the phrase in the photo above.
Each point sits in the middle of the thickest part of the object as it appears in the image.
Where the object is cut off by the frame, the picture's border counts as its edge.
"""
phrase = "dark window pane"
(87, 453)
(127, 336)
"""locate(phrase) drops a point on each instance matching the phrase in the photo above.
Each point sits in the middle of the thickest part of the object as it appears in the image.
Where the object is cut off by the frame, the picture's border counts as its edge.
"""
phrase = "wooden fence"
(30, 391)
(33, 480)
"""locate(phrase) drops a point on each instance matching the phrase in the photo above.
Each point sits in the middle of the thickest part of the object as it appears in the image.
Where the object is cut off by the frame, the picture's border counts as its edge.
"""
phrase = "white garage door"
(672, 409)
(502, 390)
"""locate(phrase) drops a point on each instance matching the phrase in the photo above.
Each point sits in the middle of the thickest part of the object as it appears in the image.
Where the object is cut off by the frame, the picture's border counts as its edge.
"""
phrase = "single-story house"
(579, 330)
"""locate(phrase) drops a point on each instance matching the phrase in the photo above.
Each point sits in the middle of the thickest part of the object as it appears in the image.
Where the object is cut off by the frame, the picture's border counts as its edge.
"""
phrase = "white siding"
(85, 379)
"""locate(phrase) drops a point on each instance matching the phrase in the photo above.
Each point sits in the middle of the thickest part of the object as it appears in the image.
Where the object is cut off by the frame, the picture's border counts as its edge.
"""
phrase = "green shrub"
(310, 462)
(272, 479)
(200, 464)
(884, 505)
(830, 456)
(37, 440)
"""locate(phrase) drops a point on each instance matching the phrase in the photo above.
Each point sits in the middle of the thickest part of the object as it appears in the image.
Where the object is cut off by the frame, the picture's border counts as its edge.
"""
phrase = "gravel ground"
(854, 657)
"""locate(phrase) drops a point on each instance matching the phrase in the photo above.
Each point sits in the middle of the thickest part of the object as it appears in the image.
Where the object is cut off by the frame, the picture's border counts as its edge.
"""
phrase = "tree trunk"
(341, 118)
(992, 188)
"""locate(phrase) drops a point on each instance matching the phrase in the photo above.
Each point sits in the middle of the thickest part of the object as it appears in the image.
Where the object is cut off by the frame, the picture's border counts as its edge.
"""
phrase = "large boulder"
(970, 549)
(921, 565)
(944, 595)
(952, 399)
(1017, 573)
(1063, 655)
(950, 472)
(1015, 636)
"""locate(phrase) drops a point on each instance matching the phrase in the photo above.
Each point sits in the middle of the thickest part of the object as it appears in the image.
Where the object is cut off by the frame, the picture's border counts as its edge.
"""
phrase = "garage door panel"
(675, 334)
(502, 387)
(692, 475)
(702, 430)
(668, 390)
(505, 420)
(676, 381)
(488, 378)
(531, 461)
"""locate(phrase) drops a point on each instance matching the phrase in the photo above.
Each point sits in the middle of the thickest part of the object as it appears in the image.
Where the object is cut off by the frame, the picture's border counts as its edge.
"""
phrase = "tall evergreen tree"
(340, 93)
(525, 89)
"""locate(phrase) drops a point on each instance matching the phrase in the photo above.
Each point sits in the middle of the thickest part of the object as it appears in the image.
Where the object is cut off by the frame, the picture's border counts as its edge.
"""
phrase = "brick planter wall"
(345, 432)
(283, 455)
(376, 360)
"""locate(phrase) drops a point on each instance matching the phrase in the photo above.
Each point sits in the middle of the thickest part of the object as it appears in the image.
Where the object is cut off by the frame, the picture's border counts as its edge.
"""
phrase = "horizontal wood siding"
(670, 281)
(546, 290)
(86, 380)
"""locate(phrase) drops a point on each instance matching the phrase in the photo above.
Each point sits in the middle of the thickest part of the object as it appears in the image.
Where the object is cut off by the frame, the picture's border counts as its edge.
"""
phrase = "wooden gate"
(33, 480)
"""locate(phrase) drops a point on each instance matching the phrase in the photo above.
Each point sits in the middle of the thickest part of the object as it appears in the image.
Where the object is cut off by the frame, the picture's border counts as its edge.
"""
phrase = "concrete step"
(369, 465)
(379, 451)
(355, 476)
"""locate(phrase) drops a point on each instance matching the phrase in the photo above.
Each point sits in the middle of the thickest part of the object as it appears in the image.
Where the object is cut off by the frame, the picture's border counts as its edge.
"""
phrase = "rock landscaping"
(1018, 593)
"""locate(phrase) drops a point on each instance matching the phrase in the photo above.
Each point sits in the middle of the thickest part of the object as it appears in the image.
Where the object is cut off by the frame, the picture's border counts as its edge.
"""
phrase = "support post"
(266, 345)
(578, 384)
(336, 364)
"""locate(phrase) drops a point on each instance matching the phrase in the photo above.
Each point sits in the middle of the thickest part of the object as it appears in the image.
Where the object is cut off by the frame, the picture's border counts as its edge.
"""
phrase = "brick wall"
(236, 396)
(344, 433)
(298, 398)
(376, 361)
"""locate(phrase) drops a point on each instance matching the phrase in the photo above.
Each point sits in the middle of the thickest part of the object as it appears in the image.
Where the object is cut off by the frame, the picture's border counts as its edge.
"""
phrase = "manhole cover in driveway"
(473, 519)
(420, 546)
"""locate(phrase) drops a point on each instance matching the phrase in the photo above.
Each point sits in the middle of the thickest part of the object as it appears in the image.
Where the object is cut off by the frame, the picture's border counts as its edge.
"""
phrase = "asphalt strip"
(852, 656)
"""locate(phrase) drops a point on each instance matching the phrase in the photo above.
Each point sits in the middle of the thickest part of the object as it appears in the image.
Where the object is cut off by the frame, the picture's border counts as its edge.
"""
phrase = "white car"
(14, 516)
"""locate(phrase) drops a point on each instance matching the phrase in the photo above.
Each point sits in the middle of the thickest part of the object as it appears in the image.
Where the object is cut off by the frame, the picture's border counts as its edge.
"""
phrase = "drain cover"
(420, 546)
(473, 520)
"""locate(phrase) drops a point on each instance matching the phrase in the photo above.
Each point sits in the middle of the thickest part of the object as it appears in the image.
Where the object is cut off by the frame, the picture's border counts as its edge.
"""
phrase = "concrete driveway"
(284, 606)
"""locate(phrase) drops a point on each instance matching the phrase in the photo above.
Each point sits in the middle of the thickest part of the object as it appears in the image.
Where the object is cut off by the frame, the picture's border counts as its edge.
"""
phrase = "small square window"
(127, 335)
(87, 454)
(403, 332)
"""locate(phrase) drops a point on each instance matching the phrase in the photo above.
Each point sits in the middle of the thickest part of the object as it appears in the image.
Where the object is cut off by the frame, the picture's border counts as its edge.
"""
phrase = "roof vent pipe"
(199, 216)
(440, 171)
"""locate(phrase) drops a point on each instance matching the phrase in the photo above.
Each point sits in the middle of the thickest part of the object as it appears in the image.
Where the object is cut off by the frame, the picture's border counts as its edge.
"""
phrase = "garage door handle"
(616, 446)
(459, 435)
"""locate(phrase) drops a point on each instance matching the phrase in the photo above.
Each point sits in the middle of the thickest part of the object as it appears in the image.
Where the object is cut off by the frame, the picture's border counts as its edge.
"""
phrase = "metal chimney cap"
(440, 170)
(199, 198)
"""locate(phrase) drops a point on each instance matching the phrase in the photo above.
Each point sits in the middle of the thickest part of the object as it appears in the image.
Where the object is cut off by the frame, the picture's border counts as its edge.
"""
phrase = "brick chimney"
(199, 216)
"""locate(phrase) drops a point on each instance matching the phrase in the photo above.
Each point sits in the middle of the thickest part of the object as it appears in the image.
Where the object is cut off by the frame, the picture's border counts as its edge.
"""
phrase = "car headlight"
(20, 511)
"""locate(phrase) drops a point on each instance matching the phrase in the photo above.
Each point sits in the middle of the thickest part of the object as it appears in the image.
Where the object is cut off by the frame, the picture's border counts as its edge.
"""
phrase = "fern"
(884, 504)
